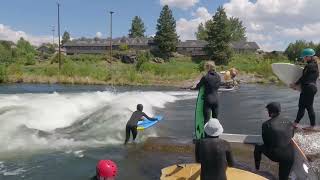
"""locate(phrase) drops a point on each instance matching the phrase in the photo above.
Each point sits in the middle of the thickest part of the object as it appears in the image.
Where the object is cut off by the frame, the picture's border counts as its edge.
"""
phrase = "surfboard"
(199, 117)
(145, 123)
(287, 73)
(301, 168)
(192, 171)
(305, 128)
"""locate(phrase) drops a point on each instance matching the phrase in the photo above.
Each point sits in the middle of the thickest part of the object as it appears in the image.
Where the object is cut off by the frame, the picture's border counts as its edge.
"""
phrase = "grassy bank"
(93, 70)
(100, 72)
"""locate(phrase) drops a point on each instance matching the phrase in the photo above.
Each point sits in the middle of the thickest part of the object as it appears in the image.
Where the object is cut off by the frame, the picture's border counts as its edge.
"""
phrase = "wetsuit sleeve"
(266, 136)
(310, 72)
(201, 83)
(197, 151)
(149, 118)
(229, 155)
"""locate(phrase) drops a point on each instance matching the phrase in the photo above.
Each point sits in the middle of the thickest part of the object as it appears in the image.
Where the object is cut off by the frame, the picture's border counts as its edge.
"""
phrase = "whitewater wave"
(57, 121)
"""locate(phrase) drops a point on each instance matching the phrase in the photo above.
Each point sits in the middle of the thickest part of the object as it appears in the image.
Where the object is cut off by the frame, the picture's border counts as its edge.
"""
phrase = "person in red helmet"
(105, 170)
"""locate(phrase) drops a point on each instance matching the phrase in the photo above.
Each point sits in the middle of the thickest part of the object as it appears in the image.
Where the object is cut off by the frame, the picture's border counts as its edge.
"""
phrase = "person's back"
(212, 83)
(213, 153)
(214, 156)
(277, 132)
(135, 117)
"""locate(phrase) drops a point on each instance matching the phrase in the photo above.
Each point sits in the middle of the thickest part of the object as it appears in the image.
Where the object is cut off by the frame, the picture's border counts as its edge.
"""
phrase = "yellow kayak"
(192, 172)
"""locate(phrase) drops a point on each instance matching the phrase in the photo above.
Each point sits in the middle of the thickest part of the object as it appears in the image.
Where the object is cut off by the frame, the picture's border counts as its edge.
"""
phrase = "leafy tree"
(294, 50)
(5, 54)
(201, 34)
(219, 38)
(166, 37)
(65, 37)
(137, 28)
(25, 52)
(238, 31)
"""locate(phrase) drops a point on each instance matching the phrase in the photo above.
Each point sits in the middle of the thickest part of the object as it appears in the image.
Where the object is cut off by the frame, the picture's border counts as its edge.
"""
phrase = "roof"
(245, 45)
(106, 42)
(192, 44)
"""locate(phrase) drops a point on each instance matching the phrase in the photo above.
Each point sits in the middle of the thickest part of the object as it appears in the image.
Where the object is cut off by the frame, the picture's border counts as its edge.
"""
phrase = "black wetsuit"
(277, 134)
(215, 156)
(211, 82)
(308, 83)
(132, 124)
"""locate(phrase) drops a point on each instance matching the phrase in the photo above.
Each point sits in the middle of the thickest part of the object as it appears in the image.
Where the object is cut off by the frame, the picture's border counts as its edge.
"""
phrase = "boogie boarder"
(133, 121)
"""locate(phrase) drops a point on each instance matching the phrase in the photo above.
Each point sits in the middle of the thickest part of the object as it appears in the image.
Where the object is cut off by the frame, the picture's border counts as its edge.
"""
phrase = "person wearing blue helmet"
(308, 83)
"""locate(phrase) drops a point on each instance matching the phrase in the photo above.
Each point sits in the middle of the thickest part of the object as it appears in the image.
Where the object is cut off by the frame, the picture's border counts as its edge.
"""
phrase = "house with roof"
(193, 48)
(101, 46)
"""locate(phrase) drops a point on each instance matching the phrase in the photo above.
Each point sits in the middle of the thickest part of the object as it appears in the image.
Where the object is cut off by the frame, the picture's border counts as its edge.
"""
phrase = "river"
(61, 131)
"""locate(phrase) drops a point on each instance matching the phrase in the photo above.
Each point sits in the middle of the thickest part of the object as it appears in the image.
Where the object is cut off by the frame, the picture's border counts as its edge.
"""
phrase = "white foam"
(104, 115)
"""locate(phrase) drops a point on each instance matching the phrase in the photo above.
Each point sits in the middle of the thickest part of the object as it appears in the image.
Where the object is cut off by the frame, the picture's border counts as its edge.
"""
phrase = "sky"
(273, 24)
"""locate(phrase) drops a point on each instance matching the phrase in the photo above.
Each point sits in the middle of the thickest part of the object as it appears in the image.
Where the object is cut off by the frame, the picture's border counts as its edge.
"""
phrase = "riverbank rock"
(128, 59)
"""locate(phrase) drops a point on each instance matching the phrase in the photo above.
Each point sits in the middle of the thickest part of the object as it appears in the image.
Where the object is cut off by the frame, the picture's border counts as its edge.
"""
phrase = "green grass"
(94, 70)
(253, 64)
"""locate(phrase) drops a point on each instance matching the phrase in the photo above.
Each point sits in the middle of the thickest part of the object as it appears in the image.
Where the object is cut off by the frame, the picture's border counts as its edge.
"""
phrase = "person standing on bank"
(211, 82)
(308, 83)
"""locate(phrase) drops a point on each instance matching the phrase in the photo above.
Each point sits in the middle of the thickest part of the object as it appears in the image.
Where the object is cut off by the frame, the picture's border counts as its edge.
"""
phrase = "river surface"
(60, 132)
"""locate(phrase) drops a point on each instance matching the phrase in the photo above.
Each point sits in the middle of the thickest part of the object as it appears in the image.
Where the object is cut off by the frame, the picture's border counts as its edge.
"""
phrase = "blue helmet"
(307, 52)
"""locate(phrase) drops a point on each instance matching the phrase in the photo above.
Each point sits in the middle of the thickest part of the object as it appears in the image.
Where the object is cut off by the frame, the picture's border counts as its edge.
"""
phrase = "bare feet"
(295, 125)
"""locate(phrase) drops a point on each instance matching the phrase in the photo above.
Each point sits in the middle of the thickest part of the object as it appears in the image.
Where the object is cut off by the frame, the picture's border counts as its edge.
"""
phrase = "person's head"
(227, 75)
(213, 128)
(274, 109)
(307, 54)
(210, 66)
(106, 170)
(233, 72)
(140, 107)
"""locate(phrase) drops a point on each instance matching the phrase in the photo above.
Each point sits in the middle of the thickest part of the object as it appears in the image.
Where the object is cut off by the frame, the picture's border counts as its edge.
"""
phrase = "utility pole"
(111, 12)
(53, 29)
(59, 44)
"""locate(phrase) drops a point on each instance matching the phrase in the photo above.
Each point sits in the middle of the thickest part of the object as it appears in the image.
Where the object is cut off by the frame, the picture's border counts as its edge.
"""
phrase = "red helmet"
(106, 169)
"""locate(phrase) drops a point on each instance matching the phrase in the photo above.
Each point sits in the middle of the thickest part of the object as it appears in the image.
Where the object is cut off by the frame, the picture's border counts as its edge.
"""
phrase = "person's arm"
(201, 83)
(229, 156)
(149, 118)
(304, 74)
(266, 135)
(197, 151)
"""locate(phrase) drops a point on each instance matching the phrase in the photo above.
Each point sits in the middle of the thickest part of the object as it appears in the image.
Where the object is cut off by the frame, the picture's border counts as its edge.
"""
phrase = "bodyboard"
(145, 123)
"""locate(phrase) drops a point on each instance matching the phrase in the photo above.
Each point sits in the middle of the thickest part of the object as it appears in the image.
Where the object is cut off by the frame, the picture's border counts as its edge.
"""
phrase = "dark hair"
(139, 107)
(274, 107)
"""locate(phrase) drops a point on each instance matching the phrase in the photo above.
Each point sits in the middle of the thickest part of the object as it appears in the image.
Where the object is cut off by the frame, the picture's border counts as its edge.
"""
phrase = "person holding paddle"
(308, 83)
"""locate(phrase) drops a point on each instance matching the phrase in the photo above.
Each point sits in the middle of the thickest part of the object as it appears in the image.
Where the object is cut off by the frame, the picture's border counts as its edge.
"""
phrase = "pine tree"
(238, 31)
(219, 38)
(201, 34)
(166, 37)
(137, 28)
(65, 37)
